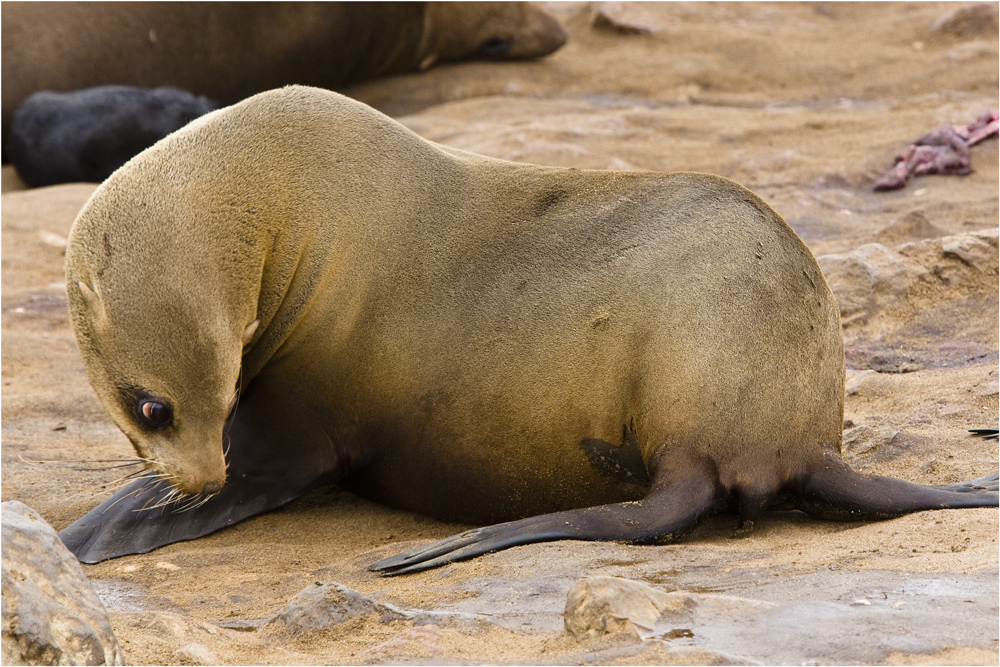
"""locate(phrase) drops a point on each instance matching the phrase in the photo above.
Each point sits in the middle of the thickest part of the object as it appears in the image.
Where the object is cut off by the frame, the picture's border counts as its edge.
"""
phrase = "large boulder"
(51, 615)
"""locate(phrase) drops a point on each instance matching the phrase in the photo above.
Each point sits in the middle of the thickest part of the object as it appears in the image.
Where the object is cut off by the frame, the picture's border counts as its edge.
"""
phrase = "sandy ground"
(805, 104)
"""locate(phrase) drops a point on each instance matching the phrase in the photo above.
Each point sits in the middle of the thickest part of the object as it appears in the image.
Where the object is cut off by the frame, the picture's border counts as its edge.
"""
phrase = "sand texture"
(806, 104)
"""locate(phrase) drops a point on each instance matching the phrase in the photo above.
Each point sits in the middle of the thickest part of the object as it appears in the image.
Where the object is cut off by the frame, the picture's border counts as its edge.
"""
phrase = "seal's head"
(155, 321)
(489, 31)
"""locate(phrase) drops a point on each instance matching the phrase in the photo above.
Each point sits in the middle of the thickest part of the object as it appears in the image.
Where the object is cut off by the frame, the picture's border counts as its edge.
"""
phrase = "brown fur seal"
(231, 50)
(452, 334)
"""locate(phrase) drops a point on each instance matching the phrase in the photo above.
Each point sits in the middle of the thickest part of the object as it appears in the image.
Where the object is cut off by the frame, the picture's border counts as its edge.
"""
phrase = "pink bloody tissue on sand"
(942, 151)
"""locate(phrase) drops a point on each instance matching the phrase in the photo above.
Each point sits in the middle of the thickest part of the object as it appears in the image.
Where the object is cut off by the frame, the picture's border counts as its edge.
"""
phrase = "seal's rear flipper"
(835, 491)
(133, 521)
(669, 511)
(988, 483)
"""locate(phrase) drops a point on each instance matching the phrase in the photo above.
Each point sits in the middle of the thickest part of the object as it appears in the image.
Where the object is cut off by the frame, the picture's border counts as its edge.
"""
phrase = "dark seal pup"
(84, 136)
(296, 291)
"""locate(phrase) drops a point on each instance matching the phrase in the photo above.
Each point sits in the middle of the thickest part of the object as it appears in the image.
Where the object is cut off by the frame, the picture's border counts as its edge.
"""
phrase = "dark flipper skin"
(276, 454)
(125, 524)
(833, 491)
(987, 483)
(672, 508)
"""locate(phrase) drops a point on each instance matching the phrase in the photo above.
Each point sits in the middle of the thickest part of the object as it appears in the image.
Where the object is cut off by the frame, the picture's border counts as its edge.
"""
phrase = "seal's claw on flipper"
(987, 484)
(481, 541)
(835, 491)
(429, 550)
(672, 508)
(450, 550)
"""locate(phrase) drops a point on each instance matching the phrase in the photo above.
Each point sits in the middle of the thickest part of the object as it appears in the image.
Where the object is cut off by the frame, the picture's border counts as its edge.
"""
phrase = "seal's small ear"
(249, 331)
(92, 301)
(90, 298)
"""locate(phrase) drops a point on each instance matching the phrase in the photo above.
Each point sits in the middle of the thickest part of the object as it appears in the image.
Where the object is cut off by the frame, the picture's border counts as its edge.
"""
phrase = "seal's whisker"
(239, 394)
(227, 441)
(92, 492)
(196, 502)
(153, 482)
(207, 498)
(71, 464)
(56, 461)
(100, 465)
(118, 483)
(172, 496)
(147, 475)
(130, 493)
(146, 505)
(161, 504)
(114, 485)
(108, 467)
(153, 491)
(188, 505)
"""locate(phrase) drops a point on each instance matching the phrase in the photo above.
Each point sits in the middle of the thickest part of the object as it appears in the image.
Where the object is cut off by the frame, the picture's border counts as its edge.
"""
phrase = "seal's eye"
(494, 47)
(155, 414)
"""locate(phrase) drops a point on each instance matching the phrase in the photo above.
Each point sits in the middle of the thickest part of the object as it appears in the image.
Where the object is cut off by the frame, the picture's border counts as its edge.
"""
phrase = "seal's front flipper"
(835, 491)
(135, 520)
(669, 510)
(276, 454)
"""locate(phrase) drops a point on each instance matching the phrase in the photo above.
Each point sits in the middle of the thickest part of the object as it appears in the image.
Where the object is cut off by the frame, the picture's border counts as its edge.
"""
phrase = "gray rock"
(628, 18)
(866, 280)
(872, 278)
(963, 259)
(324, 605)
(424, 640)
(611, 605)
(977, 250)
(51, 615)
(976, 19)
(320, 606)
(195, 654)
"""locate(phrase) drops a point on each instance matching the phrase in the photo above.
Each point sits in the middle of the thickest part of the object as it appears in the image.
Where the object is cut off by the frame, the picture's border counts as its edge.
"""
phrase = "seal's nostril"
(212, 487)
